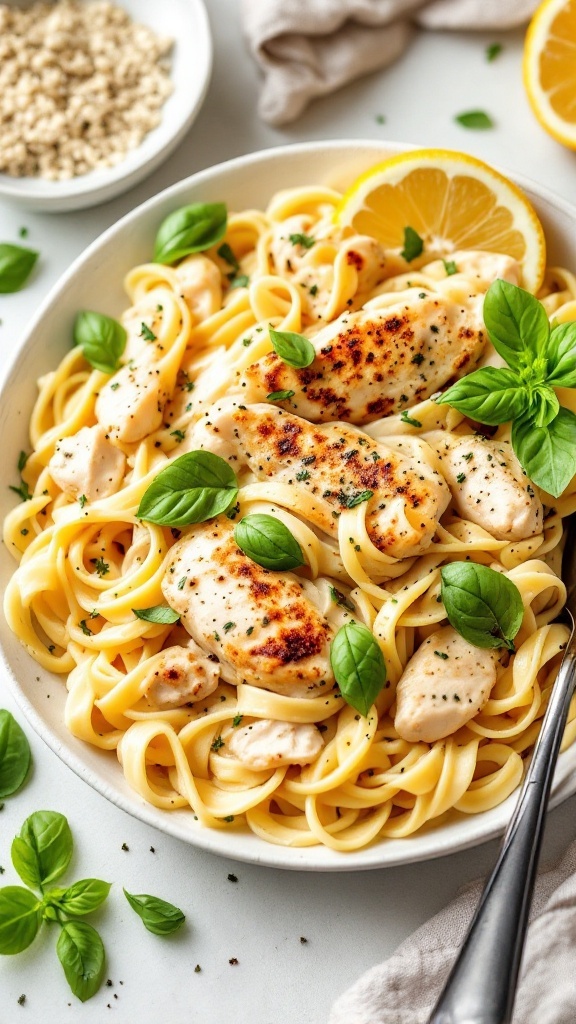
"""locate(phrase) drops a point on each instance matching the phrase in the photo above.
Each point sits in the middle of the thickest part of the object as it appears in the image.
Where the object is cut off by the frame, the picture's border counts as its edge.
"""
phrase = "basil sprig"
(193, 488)
(41, 853)
(268, 542)
(161, 614)
(15, 755)
(540, 358)
(16, 265)
(293, 349)
(158, 916)
(358, 666)
(483, 605)
(189, 229)
(101, 338)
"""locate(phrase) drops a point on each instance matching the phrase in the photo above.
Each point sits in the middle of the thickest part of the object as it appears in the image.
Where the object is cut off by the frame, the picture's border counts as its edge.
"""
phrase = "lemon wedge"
(453, 201)
(550, 68)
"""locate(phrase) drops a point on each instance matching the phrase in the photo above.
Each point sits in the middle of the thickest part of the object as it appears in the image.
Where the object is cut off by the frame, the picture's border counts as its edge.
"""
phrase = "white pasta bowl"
(242, 183)
(184, 21)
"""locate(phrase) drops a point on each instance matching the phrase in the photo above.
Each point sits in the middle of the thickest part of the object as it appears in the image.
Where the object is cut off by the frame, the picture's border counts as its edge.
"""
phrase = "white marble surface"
(350, 921)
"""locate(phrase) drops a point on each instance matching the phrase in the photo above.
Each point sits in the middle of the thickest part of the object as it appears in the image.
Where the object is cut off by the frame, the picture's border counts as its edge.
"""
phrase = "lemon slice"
(453, 201)
(550, 68)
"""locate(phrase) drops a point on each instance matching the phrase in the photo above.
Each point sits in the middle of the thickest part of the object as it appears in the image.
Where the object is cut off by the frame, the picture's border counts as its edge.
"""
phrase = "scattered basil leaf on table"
(16, 265)
(193, 488)
(20, 918)
(190, 229)
(15, 755)
(162, 614)
(81, 952)
(483, 605)
(101, 338)
(83, 897)
(358, 666)
(42, 851)
(158, 916)
(293, 349)
(268, 542)
(413, 244)
(477, 119)
(493, 50)
(540, 358)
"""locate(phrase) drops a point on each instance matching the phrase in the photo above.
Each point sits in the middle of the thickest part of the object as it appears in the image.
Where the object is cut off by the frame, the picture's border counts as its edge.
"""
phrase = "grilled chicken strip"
(377, 361)
(338, 466)
(266, 628)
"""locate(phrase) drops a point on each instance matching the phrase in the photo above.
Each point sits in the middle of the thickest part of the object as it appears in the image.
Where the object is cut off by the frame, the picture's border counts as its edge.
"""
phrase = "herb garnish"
(102, 567)
(193, 488)
(158, 916)
(476, 119)
(413, 244)
(280, 396)
(190, 229)
(539, 359)
(146, 333)
(16, 265)
(293, 349)
(225, 253)
(101, 338)
(15, 755)
(158, 613)
(358, 665)
(405, 418)
(450, 267)
(306, 241)
(268, 542)
(483, 605)
(493, 51)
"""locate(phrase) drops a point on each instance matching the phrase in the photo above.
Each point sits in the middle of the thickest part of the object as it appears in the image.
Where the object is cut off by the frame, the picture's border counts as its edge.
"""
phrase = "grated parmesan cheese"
(80, 85)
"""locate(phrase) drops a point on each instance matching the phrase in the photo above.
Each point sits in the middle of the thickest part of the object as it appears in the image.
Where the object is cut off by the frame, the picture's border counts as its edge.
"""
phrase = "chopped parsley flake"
(493, 51)
(450, 267)
(417, 359)
(280, 396)
(228, 626)
(236, 720)
(225, 253)
(303, 475)
(217, 743)
(405, 418)
(313, 290)
(181, 582)
(146, 333)
(250, 630)
(413, 244)
(114, 386)
(441, 654)
(306, 241)
(352, 500)
(102, 567)
(22, 491)
(461, 478)
(82, 500)
(178, 434)
(22, 460)
(85, 629)
(241, 281)
(339, 598)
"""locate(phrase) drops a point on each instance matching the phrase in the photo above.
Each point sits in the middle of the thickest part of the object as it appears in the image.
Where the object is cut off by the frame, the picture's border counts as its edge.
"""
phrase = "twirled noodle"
(84, 565)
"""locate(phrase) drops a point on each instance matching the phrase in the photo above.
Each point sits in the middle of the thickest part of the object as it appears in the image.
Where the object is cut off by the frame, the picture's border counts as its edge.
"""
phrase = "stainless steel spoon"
(482, 984)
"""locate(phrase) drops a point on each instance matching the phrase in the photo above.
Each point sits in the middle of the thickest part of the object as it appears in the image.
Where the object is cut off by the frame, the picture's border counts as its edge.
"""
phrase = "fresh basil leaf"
(547, 454)
(190, 229)
(268, 542)
(488, 395)
(157, 915)
(83, 897)
(544, 405)
(492, 51)
(413, 245)
(16, 264)
(159, 613)
(293, 349)
(483, 605)
(101, 339)
(358, 666)
(517, 324)
(42, 851)
(81, 952)
(193, 488)
(20, 917)
(561, 353)
(15, 755)
(225, 253)
(477, 119)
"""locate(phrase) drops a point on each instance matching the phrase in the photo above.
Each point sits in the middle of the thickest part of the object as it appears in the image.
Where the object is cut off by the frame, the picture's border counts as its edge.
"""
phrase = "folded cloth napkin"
(307, 48)
(404, 989)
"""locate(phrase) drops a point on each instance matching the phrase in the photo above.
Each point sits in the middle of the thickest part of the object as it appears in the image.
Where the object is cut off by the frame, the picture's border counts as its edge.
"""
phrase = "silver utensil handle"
(482, 984)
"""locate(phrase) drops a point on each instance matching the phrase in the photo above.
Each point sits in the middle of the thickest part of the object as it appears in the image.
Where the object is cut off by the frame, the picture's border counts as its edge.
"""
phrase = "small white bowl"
(186, 22)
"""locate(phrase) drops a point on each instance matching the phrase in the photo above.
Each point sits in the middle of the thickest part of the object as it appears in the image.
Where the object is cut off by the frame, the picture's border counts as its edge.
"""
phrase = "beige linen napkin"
(403, 990)
(308, 48)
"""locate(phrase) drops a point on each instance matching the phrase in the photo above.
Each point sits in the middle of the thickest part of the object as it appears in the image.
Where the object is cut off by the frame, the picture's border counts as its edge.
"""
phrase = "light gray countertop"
(351, 921)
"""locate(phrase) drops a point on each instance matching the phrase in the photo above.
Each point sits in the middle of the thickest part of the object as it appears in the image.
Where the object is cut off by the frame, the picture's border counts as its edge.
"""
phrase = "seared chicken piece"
(265, 743)
(183, 675)
(339, 466)
(263, 626)
(131, 403)
(87, 463)
(377, 361)
(490, 488)
(200, 286)
(445, 683)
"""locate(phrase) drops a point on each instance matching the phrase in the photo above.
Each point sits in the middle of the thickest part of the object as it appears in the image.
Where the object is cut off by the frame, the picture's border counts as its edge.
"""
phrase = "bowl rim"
(479, 828)
(42, 194)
